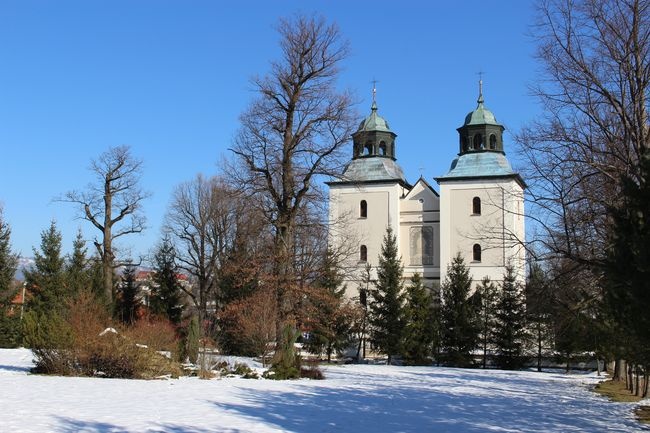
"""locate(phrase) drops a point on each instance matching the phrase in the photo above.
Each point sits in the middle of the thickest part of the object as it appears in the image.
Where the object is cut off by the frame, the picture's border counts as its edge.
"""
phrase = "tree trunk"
(539, 348)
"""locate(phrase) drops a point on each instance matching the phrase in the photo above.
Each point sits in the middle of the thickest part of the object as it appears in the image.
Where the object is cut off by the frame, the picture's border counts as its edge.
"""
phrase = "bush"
(312, 371)
(81, 343)
(154, 332)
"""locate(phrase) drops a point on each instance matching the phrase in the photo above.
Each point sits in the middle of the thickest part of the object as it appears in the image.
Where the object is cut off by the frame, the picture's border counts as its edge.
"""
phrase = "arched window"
(363, 253)
(478, 141)
(476, 253)
(493, 141)
(382, 148)
(363, 209)
(476, 206)
(367, 150)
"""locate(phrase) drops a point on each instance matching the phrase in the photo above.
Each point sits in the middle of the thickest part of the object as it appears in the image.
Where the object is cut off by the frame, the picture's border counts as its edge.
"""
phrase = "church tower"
(373, 194)
(482, 202)
(364, 201)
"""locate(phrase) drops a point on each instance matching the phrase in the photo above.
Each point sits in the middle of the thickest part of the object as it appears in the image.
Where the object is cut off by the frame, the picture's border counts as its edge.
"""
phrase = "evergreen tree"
(419, 326)
(510, 330)
(9, 322)
(77, 275)
(539, 308)
(46, 280)
(627, 265)
(166, 293)
(458, 316)
(331, 327)
(486, 294)
(127, 303)
(96, 280)
(387, 300)
(193, 336)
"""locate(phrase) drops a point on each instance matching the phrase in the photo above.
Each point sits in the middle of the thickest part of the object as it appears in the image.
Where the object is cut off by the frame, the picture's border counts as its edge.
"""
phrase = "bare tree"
(292, 133)
(205, 219)
(596, 61)
(113, 204)
(594, 132)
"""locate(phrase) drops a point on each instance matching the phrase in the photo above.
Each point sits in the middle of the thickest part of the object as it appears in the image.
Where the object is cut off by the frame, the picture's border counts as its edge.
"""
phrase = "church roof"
(373, 169)
(374, 122)
(480, 116)
(479, 164)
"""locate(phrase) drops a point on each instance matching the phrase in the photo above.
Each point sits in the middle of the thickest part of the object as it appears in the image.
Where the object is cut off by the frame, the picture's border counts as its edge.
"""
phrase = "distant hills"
(23, 263)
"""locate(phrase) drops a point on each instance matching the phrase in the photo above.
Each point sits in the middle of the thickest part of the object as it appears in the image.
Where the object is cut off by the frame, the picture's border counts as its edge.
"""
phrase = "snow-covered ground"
(353, 398)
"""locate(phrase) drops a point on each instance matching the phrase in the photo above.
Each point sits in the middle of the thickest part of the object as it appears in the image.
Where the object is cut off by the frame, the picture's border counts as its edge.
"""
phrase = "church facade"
(477, 213)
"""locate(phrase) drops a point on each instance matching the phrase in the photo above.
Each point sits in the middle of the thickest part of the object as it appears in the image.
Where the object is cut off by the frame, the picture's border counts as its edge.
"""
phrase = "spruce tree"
(539, 309)
(487, 296)
(46, 281)
(9, 322)
(193, 340)
(330, 327)
(627, 264)
(510, 326)
(77, 275)
(419, 326)
(166, 293)
(127, 303)
(458, 316)
(8, 263)
(387, 300)
(96, 280)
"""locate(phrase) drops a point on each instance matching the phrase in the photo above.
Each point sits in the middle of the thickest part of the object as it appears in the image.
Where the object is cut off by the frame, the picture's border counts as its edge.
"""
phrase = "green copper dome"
(480, 116)
(374, 122)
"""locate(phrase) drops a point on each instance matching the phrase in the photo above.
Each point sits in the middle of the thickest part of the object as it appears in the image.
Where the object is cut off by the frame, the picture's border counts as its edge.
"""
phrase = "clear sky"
(170, 78)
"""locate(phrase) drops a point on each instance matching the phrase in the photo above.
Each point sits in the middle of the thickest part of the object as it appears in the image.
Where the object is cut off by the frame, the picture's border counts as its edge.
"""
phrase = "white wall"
(498, 229)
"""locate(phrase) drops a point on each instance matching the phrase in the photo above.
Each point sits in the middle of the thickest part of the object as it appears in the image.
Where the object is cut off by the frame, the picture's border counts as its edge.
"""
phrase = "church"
(478, 211)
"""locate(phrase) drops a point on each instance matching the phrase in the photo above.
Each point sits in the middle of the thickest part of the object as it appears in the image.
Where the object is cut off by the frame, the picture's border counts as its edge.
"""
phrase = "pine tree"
(419, 326)
(458, 316)
(387, 300)
(193, 337)
(539, 308)
(46, 281)
(486, 294)
(127, 303)
(331, 327)
(9, 323)
(77, 275)
(96, 280)
(510, 330)
(166, 293)
(627, 265)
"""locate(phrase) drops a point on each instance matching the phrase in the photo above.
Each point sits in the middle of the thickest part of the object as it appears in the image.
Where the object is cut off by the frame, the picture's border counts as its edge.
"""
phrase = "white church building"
(477, 213)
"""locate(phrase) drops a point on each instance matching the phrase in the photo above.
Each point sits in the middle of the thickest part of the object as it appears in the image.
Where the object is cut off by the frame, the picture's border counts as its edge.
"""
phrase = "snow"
(353, 398)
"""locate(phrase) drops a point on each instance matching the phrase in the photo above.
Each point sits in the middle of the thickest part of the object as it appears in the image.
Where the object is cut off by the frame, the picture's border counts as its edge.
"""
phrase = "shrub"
(51, 339)
(79, 344)
(154, 332)
(312, 371)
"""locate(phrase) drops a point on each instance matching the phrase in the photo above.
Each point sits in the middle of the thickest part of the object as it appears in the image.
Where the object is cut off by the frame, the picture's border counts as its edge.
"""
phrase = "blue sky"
(170, 78)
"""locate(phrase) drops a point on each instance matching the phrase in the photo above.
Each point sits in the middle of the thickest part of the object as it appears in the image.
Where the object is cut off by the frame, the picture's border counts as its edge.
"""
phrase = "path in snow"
(353, 398)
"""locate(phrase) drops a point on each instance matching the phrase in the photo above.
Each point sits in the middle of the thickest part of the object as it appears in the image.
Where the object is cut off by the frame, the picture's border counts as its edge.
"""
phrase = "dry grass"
(615, 391)
(643, 414)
